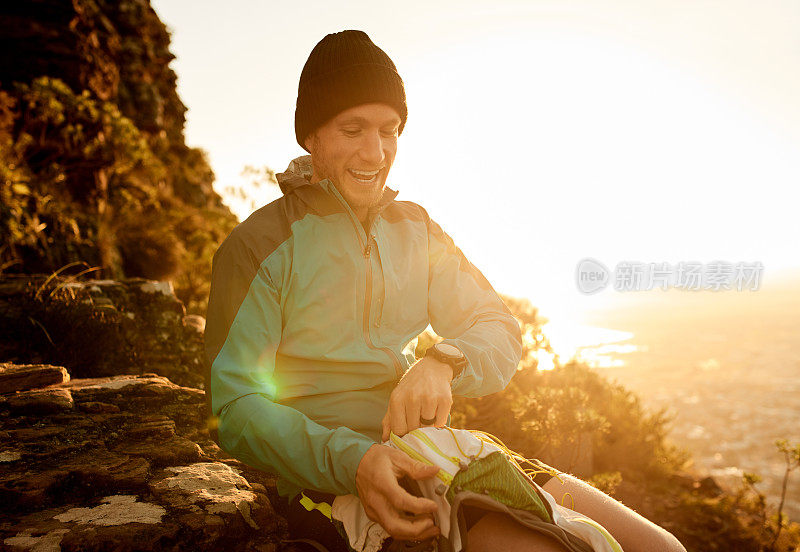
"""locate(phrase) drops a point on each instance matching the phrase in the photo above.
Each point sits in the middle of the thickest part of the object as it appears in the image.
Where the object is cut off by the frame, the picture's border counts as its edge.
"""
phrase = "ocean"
(726, 365)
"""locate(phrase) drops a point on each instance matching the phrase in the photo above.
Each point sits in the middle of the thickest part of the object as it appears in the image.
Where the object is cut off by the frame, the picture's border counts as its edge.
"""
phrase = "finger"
(443, 410)
(410, 529)
(414, 468)
(385, 426)
(429, 411)
(394, 522)
(397, 417)
(412, 412)
(430, 533)
(403, 501)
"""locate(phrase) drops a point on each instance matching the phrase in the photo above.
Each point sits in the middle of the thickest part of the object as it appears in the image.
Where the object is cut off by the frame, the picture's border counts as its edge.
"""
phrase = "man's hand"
(386, 502)
(424, 391)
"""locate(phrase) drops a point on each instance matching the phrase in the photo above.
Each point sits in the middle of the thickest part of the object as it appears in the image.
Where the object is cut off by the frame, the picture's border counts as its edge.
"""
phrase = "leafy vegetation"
(93, 164)
(80, 183)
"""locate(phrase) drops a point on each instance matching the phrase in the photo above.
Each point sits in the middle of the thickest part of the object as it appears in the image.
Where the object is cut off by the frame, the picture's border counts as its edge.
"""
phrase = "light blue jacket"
(312, 320)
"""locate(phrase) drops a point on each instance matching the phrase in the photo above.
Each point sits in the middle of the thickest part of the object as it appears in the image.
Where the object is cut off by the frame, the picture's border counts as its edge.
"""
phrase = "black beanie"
(345, 69)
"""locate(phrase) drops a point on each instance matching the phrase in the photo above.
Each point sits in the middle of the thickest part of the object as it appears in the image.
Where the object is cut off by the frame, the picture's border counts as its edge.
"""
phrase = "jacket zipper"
(367, 301)
(380, 308)
(368, 292)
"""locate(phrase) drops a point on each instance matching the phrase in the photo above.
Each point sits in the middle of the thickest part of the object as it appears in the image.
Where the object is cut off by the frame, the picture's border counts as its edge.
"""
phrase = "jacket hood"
(300, 171)
(297, 174)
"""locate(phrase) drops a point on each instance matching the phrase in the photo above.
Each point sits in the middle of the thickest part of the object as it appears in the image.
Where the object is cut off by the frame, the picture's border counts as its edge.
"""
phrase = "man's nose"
(372, 150)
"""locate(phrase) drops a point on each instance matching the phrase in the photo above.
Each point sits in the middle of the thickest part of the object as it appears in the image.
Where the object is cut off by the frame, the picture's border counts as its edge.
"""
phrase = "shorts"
(330, 533)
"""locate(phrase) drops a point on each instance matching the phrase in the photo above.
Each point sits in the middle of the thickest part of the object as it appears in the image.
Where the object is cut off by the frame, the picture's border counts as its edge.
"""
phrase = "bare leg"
(498, 532)
(633, 532)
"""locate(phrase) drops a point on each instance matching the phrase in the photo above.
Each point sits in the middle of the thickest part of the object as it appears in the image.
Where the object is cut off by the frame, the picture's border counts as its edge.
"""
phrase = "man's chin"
(365, 201)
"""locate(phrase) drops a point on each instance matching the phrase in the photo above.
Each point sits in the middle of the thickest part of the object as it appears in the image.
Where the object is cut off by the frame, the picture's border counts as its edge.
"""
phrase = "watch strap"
(456, 363)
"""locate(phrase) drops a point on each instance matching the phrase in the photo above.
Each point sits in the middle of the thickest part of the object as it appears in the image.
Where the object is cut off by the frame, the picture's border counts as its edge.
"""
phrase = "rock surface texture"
(121, 463)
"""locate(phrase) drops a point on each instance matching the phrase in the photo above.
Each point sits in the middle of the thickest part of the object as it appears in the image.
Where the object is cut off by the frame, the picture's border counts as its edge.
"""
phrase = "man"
(316, 300)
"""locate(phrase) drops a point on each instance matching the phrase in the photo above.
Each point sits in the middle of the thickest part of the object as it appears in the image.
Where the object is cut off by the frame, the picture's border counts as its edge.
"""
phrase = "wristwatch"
(449, 354)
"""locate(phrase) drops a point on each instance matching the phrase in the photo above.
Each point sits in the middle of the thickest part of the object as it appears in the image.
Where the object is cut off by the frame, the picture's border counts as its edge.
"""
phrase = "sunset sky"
(539, 133)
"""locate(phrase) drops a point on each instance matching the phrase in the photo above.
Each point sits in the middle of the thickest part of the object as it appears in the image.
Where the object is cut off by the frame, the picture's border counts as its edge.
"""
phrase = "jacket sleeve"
(465, 310)
(243, 332)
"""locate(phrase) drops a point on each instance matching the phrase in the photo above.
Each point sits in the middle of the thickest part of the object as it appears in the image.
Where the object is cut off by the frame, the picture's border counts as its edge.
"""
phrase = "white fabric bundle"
(453, 451)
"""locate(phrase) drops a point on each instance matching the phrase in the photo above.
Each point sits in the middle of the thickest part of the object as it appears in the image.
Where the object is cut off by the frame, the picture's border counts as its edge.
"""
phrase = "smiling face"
(355, 151)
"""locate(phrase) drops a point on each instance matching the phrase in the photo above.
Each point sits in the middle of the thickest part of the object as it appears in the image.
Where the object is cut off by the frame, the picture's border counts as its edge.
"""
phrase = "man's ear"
(308, 141)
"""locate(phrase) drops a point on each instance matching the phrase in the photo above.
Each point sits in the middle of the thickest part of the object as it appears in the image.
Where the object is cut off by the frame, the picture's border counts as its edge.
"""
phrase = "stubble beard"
(363, 200)
(356, 201)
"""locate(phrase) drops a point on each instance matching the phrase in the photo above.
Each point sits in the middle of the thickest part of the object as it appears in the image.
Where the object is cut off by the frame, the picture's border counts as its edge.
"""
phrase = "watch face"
(449, 350)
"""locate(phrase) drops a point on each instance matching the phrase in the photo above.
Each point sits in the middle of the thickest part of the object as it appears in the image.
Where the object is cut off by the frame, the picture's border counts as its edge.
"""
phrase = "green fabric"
(308, 333)
(496, 476)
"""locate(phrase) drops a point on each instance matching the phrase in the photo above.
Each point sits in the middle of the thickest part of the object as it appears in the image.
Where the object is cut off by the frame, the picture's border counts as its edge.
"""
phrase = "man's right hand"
(383, 498)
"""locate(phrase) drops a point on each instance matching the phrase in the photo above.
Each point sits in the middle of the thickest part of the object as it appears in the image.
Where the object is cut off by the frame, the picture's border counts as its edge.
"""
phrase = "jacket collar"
(297, 177)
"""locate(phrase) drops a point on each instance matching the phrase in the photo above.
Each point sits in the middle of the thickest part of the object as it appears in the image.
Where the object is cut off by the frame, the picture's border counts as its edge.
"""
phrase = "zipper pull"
(368, 248)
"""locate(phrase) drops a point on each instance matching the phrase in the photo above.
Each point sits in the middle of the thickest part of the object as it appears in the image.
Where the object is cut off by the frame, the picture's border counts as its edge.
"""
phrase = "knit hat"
(345, 69)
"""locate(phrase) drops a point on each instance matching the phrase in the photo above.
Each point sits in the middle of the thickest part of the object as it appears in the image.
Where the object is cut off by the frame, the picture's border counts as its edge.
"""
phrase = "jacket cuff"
(467, 367)
(352, 458)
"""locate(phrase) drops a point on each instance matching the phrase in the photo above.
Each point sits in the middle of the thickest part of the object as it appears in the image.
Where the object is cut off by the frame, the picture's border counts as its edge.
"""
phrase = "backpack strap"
(310, 505)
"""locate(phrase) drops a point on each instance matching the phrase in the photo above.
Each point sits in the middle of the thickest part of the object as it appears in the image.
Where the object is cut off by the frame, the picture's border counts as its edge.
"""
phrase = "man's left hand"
(423, 392)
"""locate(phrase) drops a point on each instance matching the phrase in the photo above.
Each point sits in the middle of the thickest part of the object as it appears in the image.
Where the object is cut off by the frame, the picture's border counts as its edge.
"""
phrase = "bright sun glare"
(541, 133)
(579, 145)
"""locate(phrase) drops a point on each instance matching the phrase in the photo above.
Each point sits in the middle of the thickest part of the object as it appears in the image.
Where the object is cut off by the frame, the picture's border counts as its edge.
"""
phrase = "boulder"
(22, 377)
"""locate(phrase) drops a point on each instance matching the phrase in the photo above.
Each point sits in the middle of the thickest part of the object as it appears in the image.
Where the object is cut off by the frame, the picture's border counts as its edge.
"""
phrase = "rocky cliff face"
(117, 50)
(92, 153)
